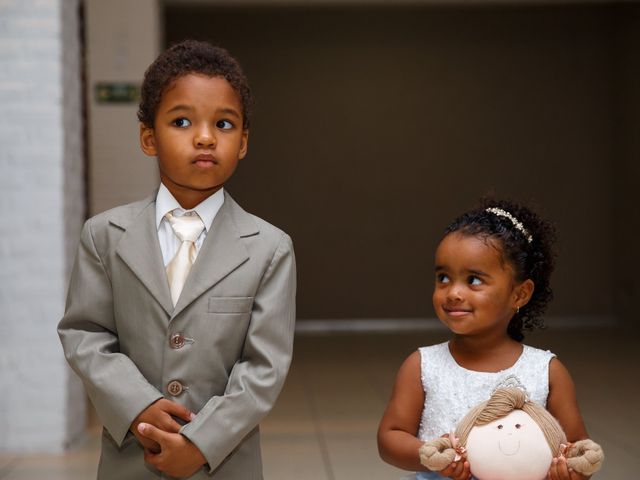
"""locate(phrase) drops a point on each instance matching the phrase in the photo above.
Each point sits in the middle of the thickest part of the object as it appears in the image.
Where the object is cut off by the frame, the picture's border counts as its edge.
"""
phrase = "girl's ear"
(523, 293)
(148, 140)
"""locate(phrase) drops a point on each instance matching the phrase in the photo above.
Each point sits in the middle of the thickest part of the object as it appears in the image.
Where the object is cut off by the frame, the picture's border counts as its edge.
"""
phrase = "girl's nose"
(204, 138)
(454, 293)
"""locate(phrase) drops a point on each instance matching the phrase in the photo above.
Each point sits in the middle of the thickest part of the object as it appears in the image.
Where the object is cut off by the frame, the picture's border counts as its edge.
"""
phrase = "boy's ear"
(148, 140)
(523, 292)
(244, 145)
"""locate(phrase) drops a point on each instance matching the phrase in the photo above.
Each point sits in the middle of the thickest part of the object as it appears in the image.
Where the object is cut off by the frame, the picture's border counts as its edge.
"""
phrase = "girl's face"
(476, 291)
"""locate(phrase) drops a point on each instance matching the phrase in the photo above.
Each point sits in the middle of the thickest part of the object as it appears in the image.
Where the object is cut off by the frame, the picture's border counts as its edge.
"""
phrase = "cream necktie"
(187, 228)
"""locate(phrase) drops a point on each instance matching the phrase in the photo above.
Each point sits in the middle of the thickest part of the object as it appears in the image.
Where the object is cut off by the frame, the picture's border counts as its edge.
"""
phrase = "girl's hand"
(458, 470)
(560, 471)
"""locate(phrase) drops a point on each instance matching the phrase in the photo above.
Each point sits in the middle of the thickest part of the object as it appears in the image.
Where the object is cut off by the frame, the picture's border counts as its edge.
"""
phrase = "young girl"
(492, 272)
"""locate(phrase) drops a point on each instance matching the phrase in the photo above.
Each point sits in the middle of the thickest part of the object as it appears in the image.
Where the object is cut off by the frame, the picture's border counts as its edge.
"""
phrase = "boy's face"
(198, 137)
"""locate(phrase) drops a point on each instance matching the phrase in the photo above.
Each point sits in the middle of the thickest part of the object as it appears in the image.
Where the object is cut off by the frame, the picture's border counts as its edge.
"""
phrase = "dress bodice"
(452, 390)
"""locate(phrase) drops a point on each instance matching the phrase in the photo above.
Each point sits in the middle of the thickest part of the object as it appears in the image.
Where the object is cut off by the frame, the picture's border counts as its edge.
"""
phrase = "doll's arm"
(259, 373)
(89, 338)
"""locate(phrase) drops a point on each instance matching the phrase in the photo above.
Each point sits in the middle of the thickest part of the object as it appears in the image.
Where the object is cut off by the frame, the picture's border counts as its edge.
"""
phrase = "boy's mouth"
(205, 160)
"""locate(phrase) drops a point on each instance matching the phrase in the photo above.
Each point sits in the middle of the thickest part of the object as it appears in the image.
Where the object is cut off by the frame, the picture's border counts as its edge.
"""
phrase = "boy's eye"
(181, 122)
(224, 124)
(442, 278)
(475, 281)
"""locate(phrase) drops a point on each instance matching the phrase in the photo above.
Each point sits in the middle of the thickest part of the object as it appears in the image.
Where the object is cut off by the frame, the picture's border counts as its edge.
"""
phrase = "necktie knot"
(187, 227)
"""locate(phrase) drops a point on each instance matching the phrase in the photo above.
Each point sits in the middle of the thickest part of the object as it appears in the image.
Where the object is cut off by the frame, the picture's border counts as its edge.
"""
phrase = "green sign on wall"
(117, 92)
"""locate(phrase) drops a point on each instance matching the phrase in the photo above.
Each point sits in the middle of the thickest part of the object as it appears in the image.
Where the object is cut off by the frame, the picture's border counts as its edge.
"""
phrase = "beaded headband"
(516, 223)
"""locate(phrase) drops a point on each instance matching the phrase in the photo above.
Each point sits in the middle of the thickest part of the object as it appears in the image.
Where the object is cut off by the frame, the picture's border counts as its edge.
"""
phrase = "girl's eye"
(224, 124)
(499, 427)
(518, 425)
(181, 122)
(442, 278)
(475, 281)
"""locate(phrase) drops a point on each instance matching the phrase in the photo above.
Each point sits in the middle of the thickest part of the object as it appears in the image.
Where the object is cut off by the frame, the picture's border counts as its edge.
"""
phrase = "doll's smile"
(509, 446)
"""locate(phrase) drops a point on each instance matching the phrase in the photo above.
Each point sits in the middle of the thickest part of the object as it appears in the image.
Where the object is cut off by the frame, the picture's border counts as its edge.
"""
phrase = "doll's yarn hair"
(584, 456)
(502, 403)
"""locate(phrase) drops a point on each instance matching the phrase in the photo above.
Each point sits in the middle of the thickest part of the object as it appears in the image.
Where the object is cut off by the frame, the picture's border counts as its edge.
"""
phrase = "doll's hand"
(457, 470)
(560, 470)
(178, 456)
(160, 414)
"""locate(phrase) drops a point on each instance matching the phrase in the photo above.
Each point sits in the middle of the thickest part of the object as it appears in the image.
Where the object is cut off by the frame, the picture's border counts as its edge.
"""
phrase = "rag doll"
(510, 438)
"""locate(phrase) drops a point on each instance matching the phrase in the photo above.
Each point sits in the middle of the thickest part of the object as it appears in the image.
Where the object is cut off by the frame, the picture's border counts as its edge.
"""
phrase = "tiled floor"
(324, 425)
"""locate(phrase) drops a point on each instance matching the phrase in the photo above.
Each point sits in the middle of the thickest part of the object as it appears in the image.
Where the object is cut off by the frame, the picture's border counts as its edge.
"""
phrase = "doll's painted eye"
(518, 425)
(499, 427)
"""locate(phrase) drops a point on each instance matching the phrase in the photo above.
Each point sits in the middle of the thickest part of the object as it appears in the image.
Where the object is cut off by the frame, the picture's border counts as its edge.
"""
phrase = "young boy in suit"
(181, 307)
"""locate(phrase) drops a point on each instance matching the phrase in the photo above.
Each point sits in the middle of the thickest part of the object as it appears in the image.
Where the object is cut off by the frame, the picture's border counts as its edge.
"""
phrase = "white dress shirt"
(165, 203)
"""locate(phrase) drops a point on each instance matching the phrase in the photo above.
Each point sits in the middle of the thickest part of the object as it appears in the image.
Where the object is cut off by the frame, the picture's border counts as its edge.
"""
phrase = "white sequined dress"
(451, 390)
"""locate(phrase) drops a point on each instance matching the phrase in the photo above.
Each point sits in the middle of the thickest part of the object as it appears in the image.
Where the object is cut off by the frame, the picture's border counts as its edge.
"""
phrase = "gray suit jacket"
(236, 315)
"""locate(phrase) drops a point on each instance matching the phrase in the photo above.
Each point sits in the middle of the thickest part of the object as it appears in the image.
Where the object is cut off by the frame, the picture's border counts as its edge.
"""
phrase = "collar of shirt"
(207, 209)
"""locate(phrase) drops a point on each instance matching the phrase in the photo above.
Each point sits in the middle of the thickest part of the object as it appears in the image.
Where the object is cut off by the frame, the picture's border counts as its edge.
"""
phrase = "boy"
(181, 307)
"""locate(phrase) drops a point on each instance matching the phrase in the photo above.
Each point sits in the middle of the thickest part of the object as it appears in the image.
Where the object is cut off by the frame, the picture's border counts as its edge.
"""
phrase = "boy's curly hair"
(530, 260)
(188, 57)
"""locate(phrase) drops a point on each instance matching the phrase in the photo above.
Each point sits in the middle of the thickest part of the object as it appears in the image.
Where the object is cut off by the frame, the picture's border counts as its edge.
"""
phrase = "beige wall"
(122, 38)
(374, 127)
(627, 168)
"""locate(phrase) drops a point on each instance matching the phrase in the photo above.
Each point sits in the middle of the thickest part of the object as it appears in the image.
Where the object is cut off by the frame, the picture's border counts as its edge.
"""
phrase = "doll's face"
(510, 448)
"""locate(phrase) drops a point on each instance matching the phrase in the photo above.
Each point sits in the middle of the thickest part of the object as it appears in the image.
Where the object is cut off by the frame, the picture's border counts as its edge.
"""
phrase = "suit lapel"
(222, 252)
(140, 250)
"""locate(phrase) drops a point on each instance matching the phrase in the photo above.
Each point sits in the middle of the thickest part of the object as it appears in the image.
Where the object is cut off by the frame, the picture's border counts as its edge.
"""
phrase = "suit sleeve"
(258, 376)
(89, 339)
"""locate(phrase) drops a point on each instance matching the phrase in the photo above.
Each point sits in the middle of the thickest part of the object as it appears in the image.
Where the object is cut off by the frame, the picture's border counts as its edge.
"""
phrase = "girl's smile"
(456, 312)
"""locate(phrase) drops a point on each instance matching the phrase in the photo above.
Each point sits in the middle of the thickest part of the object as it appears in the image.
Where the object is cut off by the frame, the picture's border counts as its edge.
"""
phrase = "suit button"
(176, 340)
(175, 388)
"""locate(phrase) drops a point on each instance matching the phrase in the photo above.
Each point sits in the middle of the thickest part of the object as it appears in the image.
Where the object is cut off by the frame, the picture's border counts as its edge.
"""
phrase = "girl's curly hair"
(191, 57)
(532, 260)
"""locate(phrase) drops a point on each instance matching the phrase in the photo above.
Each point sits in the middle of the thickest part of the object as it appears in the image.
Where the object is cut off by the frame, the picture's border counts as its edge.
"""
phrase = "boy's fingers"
(151, 457)
(151, 432)
(168, 424)
(180, 411)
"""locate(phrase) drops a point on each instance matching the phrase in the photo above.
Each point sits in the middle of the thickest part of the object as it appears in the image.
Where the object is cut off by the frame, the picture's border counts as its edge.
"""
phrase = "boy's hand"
(457, 470)
(160, 414)
(178, 456)
(560, 470)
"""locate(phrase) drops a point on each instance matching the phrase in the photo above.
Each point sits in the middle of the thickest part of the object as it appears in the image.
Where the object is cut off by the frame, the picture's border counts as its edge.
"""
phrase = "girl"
(492, 272)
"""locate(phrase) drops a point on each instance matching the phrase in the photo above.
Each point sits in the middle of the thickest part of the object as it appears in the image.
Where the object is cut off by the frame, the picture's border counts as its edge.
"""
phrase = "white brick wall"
(42, 204)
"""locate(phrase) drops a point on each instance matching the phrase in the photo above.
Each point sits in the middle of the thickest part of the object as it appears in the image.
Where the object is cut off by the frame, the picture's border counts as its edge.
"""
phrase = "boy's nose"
(204, 138)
